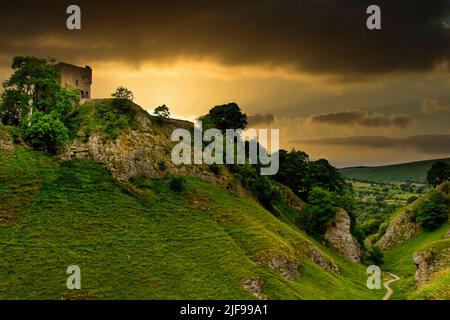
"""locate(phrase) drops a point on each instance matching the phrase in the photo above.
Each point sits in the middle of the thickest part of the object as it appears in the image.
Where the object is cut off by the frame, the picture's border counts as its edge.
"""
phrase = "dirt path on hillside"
(386, 285)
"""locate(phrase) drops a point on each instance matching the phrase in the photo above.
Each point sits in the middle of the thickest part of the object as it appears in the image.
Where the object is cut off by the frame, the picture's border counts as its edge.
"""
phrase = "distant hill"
(413, 171)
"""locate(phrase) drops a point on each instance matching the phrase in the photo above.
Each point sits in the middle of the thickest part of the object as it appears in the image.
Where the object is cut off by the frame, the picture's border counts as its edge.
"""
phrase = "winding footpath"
(386, 285)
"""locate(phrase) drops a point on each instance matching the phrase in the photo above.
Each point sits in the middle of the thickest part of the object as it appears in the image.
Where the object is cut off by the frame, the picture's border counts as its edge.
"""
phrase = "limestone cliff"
(339, 237)
(432, 259)
(401, 228)
(142, 151)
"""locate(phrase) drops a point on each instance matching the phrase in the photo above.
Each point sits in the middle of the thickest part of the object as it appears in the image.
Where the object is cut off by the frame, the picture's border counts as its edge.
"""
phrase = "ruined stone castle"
(76, 78)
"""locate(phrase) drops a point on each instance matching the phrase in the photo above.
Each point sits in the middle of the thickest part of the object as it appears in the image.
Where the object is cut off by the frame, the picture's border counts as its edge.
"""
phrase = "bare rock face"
(137, 153)
(401, 228)
(430, 261)
(339, 237)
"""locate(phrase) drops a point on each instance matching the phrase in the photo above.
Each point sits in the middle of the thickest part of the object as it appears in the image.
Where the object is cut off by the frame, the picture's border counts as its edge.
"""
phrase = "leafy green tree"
(433, 212)
(46, 131)
(34, 98)
(320, 209)
(322, 174)
(376, 256)
(122, 96)
(162, 112)
(266, 193)
(13, 107)
(439, 173)
(65, 100)
(293, 171)
(223, 117)
(301, 175)
(34, 86)
(37, 79)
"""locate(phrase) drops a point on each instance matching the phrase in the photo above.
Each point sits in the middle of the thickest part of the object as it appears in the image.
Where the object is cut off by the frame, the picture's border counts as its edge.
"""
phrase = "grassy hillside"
(399, 260)
(436, 289)
(140, 240)
(407, 172)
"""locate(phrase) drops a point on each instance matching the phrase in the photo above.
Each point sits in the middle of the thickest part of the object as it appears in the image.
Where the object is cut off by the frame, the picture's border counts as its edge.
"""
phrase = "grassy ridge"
(407, 172)
(143, 241)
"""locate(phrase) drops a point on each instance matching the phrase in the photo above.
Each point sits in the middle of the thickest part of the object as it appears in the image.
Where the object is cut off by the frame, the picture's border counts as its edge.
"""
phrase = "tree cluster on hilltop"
(439, 173)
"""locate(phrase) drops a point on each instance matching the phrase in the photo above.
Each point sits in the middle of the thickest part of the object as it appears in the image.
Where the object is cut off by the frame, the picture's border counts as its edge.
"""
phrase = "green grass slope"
(437, 289)
(140, 240)
(407, 172)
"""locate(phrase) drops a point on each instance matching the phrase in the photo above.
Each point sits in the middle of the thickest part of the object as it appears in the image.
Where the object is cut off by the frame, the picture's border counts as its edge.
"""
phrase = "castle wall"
(76, 78)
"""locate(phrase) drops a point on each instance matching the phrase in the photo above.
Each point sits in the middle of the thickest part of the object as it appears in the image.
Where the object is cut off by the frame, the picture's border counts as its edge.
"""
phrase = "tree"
(223, 117)
(439, 173)
(322, 174)
(320, 209)
(433, 212)
(162, 112)
(122, 94)
(46, 131)
(65, 99)
(293, 171)
(36, 80)
(301, 175)
(34, 98)
(13, 107)
(376, 255)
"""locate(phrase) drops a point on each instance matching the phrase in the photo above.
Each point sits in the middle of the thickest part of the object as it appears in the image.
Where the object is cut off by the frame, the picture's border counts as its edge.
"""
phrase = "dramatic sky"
(310, 68)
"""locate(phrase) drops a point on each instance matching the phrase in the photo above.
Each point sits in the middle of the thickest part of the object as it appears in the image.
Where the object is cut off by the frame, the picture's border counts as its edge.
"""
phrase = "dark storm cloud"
(362, 118)
(424, 143)
(259, 119)
(313, 36)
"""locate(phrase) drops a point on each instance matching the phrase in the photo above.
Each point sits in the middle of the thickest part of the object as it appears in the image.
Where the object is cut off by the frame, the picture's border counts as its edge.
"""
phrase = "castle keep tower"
(76, 78)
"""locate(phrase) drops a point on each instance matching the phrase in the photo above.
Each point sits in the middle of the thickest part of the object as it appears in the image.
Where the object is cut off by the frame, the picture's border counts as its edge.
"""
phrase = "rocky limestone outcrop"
(431, 261)
(288, 269)
(254, 286)
(316, 256)
(136, 153)
(292, 200)
(6, 140)
(287, 264)
(143, 152)
(401, 228)
(339, 237)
